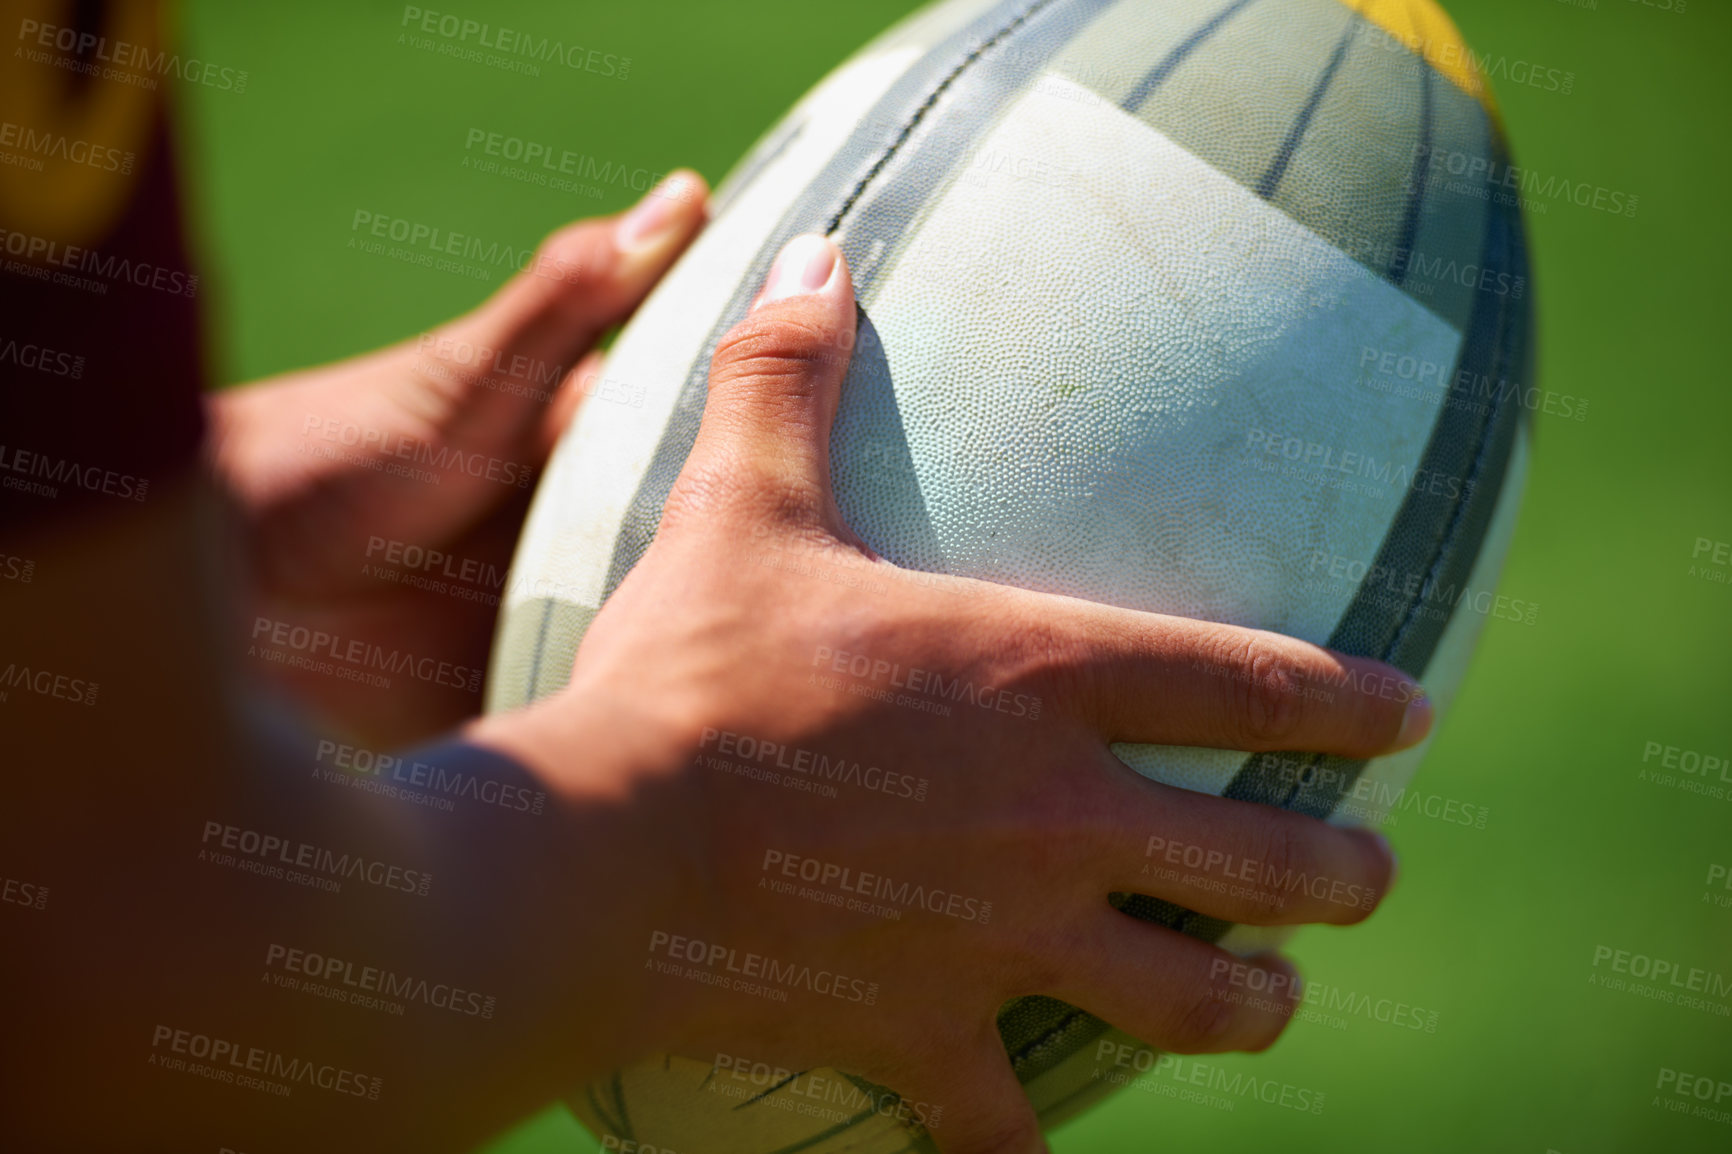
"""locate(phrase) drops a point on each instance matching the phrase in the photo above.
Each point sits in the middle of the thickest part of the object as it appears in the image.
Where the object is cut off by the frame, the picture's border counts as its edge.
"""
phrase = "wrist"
(608, 870)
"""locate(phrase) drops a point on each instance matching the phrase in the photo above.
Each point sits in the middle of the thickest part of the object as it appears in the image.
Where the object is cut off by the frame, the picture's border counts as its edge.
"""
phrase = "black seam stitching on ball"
(919, 113)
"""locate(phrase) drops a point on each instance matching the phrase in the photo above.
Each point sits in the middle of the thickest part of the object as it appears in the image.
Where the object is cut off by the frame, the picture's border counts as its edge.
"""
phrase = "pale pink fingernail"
(654, 218)
(1416, 722)
(804, 266)
(1394, 858)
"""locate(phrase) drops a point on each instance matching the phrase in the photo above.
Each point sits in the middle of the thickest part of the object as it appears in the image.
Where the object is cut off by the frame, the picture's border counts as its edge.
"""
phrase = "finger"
(592, 274)
(972, 1099)
(1172, 991)
(1240, 861)
(583, 279)
(1173, 681)
(775, 380)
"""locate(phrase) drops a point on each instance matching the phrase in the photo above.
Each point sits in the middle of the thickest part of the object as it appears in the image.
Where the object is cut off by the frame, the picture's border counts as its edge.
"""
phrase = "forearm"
(255, 938)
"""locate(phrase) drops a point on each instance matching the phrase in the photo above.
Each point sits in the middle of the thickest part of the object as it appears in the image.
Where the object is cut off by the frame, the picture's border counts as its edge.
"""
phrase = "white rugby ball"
(1205, 307)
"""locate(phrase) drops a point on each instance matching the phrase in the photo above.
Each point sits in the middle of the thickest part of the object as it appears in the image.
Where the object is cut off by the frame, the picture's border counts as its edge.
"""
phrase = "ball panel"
(1350, 169)
(1441, 229)
(533, 653)
(1209, 103)
(931, 92)
(1353, 168)
(600, 464)
(1116, 425)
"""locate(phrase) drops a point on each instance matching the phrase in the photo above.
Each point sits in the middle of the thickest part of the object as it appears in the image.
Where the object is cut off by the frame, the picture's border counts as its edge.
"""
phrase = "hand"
(382, 496)
(709, 666)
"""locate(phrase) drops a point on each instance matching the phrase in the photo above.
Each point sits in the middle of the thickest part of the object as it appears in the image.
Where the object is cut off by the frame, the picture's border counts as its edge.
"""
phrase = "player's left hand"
(382, 496)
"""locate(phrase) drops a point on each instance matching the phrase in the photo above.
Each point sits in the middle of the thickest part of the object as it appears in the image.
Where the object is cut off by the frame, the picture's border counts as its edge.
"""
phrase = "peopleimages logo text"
(406, 448)
(379, 980)
(59, 471)
(511, 42)
(282, 851)
(45, 251)
(51, 145)
(365, 654)
(720, 961)
(229, 1058)
(93, 50)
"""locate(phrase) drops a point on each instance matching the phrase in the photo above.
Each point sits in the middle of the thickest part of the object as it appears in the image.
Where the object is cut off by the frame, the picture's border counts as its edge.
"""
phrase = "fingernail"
(1415, 723)
(803, 266)
(656, 217)
(1285, 978)
(1394, 858)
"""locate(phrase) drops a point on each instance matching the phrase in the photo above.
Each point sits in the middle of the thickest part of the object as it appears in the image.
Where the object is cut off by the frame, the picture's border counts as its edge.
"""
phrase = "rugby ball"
(1206, 307)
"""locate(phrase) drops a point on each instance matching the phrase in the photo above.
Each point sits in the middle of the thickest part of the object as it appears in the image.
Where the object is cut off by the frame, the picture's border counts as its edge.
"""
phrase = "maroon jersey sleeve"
(101, 356)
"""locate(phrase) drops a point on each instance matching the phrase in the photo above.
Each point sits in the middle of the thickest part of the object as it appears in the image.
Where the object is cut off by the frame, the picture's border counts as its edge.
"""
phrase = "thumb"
(775, 380)
(588, 276)
(488, 378)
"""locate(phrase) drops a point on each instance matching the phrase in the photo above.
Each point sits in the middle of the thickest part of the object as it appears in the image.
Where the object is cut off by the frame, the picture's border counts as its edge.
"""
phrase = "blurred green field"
(1494, 929)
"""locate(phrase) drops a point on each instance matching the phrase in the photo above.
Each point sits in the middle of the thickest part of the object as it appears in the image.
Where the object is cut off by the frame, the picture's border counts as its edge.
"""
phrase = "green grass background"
(1493, 928)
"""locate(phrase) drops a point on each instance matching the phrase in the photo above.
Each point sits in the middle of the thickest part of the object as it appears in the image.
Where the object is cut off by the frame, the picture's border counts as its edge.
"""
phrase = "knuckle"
(777, 346)
(1265, 691)
(1203, 1018)
(745, 502)
(578, 254)
(1284, 860)
(1040, 654)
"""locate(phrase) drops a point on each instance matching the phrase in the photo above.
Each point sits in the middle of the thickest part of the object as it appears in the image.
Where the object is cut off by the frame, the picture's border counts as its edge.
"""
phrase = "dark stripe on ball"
(1284, 155)
(1156, 76)
(1396, 270)
(1434, 538)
